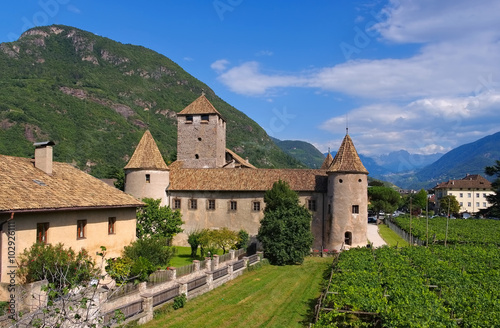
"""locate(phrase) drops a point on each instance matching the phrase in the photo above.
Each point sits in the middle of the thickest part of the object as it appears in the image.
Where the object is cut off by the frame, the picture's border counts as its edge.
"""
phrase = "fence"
(185, 270)
(404, 234)
(128, 311)
(220, 273)
(123, 290)
(165, 296)
(159, 277)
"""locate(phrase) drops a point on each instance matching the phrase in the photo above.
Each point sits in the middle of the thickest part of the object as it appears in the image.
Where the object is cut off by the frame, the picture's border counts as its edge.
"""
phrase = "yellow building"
(50, 202)
(470, 192)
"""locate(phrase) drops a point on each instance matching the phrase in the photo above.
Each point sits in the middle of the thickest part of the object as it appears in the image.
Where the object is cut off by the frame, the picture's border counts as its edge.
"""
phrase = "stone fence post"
(261, 255)
(210, 280)
(208, 264)
(232, 252)
(196, 265)
(172, 273)
(216, 262)
(147, 307)
(183, 289)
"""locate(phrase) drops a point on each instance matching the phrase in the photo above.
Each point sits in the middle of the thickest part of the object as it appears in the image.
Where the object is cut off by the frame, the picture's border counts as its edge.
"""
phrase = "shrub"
(60, 266)
(154, 249)
(141, 269)
(244, 239)
(194, 241)
(179, 301)
(119, 268)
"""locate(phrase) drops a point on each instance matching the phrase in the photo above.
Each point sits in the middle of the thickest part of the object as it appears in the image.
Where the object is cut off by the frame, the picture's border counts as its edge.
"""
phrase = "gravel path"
(373, 236)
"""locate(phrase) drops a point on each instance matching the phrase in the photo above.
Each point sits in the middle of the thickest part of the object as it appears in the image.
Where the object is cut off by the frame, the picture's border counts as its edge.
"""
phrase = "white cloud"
(188, 59)
(219, 65)
(264, 53)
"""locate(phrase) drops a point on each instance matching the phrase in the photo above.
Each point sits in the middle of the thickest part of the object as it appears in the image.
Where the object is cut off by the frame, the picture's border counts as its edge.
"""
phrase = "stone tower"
(146, 174)
(347, 199)
(201, 135)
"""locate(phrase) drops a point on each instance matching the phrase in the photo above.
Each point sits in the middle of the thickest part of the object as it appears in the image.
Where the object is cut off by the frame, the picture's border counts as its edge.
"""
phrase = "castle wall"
(201, 143)
(138, 184)
(346, 191)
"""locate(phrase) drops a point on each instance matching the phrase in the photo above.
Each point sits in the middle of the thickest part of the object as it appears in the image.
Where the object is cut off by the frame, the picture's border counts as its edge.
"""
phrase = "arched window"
(348, 238)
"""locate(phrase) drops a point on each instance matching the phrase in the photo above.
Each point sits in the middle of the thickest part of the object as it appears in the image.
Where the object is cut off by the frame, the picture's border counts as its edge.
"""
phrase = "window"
(189, 119)
(348, 238)
(256, 206)
(477, 195)
(111, 226)
(193, 204)
(311, 205)
(233, 205)
(211, 204)
(80, 228)
(205, 118)
(461, 203)
(477, 204)
(41, 232)
(469, 204)
(196, 156)
(484, 204)
(461, 195)
(177, 204)
(484, 195)
(355, 210)
(469, 195)
(148, 178)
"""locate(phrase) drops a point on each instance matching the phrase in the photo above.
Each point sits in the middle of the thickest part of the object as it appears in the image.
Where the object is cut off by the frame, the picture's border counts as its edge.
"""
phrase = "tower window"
(359, 180)
(355, 209)
(189, 119)
(199, 139)
(256, 206)
(311, 205)
(340, 180)
(111, 226)
(148, 178)
(205, 118)
(196, 156)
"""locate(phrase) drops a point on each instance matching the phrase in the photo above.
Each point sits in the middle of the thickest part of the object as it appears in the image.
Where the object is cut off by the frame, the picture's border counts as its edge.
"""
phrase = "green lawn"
(272, 296)
(390, 237)
(183, 257)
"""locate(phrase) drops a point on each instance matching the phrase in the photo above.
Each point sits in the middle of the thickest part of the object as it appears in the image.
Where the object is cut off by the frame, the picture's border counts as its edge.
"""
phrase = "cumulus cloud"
(219, 65)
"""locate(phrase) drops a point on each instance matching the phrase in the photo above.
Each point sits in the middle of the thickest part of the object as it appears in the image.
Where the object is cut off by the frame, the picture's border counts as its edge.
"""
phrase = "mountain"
(403, 161)
(95, 97)
(302, 151)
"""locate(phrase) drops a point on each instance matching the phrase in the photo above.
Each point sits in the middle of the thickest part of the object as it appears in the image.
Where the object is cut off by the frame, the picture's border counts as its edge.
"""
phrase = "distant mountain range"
(413, 171)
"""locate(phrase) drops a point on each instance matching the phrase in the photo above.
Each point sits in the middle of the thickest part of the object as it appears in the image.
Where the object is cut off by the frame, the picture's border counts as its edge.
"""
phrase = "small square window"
(469, 204)
(477, 195)
(233, 205)
(193, 204)
(205, 118)
(111, 226)
(41, 232)
(484, 204)
(461, 195)
(469, 195)
(177, 204)
(355, 209)
(311, 205)
(189, 119)
(80, 228)
(256, 206)
(461, 204)
(211, 204)
(148, 178)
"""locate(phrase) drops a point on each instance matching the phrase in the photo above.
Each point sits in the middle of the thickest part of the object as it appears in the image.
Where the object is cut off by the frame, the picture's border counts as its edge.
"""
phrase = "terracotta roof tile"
(147, 155)
(225, 179)
(240, 160)
(200, 106)
(26, 188)
(347, 159)
(327, 162)
(474, 181)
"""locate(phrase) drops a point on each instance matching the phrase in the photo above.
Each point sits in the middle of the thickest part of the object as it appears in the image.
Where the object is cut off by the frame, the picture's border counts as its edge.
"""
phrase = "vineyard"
(472, 231)
(438, 286)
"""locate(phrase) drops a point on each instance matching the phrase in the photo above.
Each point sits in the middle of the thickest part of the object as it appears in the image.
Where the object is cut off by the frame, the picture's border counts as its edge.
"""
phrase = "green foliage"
(119, 269)
(449, 204)
(302, 151)
(154, 249)
(194, 241)
(494, 199)
(243, 239)
(285, 230)
(383, 199)
(179, 301)
(60, 266)
(3, 307)
(141, 269)
(153, 219)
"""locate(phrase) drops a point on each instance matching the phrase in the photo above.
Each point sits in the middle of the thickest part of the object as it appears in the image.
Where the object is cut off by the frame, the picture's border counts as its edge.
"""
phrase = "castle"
(213, 187)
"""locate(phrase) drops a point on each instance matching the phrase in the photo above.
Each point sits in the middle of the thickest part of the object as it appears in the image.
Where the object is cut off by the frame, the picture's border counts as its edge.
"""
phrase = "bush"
(244, 239)
(154, 249)
(179, 301)
(119, 269)
(60, 266)
(141, 269)
(194, 241)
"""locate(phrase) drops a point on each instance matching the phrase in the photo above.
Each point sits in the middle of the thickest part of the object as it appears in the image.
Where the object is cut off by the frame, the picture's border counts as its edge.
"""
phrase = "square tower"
(201, 135)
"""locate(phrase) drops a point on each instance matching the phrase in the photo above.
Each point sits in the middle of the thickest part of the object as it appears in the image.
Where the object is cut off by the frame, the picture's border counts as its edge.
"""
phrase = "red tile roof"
(473, 181)
(147, 155)
(200, 106)
(347, 159)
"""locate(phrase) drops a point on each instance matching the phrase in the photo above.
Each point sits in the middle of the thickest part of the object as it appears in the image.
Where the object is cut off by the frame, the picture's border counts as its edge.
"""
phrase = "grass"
(272, 296)
(183, 257)
(390, 237)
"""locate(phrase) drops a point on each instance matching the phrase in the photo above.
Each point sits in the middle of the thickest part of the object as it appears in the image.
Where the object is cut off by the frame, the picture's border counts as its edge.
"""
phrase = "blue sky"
(423, 76)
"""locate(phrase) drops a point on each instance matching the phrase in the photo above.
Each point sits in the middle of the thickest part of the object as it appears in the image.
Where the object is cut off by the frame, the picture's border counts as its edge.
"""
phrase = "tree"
(194, 241)
(156, 220)
(244, 239)
(418, 202)
(449, 204)
(285, 230)
(383, 199)
(494, 199)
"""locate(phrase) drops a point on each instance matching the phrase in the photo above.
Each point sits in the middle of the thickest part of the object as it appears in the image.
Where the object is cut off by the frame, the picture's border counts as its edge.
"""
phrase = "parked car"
(372, 219)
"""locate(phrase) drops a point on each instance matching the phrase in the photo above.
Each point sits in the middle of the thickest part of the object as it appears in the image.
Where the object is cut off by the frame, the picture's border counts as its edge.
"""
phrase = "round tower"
(348, 199)
(146, 174)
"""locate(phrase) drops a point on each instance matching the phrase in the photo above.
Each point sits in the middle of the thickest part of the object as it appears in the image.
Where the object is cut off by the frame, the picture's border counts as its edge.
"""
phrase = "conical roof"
(147, 155)
(200, 106)
(327, 162)
(347, 159)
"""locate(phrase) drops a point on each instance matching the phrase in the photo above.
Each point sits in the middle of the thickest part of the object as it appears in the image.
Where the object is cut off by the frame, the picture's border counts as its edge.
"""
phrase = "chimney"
(43, 156)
